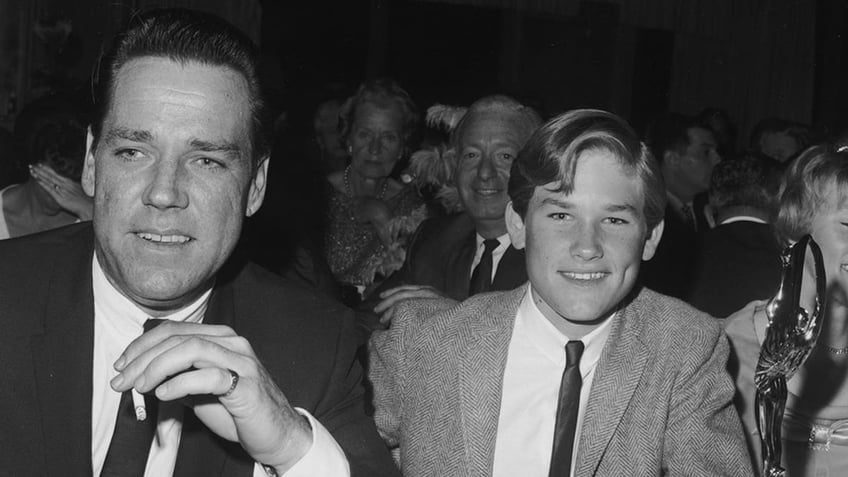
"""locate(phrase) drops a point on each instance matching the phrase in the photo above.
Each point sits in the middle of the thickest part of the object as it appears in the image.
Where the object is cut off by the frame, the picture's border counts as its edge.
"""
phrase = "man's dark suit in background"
(440, 256)
(740, 263)
(672, 269)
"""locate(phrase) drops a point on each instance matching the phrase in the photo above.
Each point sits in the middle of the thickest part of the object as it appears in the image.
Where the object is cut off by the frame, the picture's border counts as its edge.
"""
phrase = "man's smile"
(164, 238)
(587, 277)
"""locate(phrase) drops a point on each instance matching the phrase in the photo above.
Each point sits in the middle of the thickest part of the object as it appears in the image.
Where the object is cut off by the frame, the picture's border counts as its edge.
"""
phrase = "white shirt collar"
(503, 241)
(551, 341)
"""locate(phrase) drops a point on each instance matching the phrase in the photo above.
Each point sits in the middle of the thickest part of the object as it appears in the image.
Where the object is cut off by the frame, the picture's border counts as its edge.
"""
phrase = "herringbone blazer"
(660, 404)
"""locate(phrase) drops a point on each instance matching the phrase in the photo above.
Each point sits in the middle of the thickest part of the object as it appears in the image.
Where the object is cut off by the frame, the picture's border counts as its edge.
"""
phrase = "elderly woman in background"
(813, 200)
(50, 133)
(370, 213)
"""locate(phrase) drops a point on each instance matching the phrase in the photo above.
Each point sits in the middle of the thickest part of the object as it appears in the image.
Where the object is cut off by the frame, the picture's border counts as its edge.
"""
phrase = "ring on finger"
(56, 186)
(234, 380)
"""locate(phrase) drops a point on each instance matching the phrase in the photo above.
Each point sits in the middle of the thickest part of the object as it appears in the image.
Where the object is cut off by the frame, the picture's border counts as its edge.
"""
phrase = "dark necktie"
(481, 278)
(130, 445)
(566, 418)
(689, 216)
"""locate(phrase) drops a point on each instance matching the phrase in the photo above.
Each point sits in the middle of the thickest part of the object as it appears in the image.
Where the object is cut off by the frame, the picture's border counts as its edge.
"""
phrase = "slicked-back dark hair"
(184, 36)
(552, 152)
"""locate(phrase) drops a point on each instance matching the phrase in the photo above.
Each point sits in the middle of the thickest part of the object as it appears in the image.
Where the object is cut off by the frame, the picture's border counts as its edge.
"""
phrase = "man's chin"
(487, 210)
(164, 294)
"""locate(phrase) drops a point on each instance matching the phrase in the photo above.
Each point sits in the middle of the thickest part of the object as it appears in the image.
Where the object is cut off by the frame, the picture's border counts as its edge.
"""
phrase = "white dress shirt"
(534, 366)
(117, 322)
(497, 253)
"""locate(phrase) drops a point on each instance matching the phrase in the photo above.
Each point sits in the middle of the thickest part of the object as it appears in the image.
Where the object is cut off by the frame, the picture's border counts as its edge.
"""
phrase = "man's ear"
(87, 180)
(515, 227)
(257, 187)
(653, 241)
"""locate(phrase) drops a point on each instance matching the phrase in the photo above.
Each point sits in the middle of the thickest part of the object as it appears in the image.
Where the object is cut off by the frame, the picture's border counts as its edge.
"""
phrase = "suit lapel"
(459, 267)
(512, 271)
(619, 371)
(63, 359)
(481, 372)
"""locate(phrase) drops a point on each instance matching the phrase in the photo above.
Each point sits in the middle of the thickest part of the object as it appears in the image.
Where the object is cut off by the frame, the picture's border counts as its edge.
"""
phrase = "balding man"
(469, 252)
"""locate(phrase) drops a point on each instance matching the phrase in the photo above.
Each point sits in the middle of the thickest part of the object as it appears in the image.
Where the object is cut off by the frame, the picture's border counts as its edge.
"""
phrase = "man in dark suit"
(740, 257)
(687, 153)
(176, 158)
(468, 252)
(580, 372)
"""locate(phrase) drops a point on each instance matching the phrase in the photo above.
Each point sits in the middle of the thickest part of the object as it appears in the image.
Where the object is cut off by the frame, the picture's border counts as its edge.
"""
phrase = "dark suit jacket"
(660, 402)
(672, 269)
(440, 255)
(46, 313)
(740, 262)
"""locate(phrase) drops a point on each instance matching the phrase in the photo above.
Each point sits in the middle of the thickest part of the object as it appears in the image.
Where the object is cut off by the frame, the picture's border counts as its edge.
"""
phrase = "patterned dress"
(355, 252)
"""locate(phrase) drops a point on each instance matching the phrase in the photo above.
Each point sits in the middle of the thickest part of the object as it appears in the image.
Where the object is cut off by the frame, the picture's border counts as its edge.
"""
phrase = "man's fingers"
(213, 380)
(386, 304)
(406, 295)
(387, 317)
(164, 331)
(392, 291)
(179, 354)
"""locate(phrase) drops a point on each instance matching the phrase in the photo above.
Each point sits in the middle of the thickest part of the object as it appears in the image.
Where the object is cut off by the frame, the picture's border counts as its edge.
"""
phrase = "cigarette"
(138, 404)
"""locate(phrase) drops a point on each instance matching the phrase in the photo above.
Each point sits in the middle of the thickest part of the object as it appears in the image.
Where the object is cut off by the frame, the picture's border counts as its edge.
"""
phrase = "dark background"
(754, 59)
(638, 58)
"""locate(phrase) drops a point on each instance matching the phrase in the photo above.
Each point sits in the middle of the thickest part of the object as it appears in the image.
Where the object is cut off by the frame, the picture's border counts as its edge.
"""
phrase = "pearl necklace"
(349, 189)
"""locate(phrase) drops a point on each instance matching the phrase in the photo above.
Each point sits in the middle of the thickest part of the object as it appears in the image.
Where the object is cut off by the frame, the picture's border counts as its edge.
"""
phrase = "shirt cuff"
(324, 457)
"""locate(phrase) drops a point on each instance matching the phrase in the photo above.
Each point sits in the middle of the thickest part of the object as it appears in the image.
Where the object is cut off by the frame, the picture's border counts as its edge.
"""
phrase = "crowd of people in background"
(361, 198)
(428, 221)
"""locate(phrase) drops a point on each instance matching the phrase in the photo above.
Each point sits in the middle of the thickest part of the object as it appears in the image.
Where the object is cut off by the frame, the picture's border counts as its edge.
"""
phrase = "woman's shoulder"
(746, 327)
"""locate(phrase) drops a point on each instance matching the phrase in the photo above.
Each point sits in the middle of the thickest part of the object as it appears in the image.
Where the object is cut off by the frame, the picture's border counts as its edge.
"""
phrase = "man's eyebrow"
(622, 208)
(556, 202)
(610, 208)
(127, 134)
(229, 148)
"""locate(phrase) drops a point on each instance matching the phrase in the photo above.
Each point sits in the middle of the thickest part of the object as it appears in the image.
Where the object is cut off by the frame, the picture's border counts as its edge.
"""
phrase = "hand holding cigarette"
(217, 374)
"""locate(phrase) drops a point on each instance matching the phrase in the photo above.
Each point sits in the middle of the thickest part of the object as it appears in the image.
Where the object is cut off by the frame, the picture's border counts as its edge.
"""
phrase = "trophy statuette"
(790, 337)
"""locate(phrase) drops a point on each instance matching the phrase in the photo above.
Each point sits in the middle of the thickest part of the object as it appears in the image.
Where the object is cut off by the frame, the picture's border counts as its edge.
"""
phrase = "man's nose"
(486, 169)
(166, 188)
(587, 242)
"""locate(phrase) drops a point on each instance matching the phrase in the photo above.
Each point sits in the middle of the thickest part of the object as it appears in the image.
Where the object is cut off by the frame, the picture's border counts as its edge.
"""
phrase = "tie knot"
(152, 323)
(573, 351)
(490, 245)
